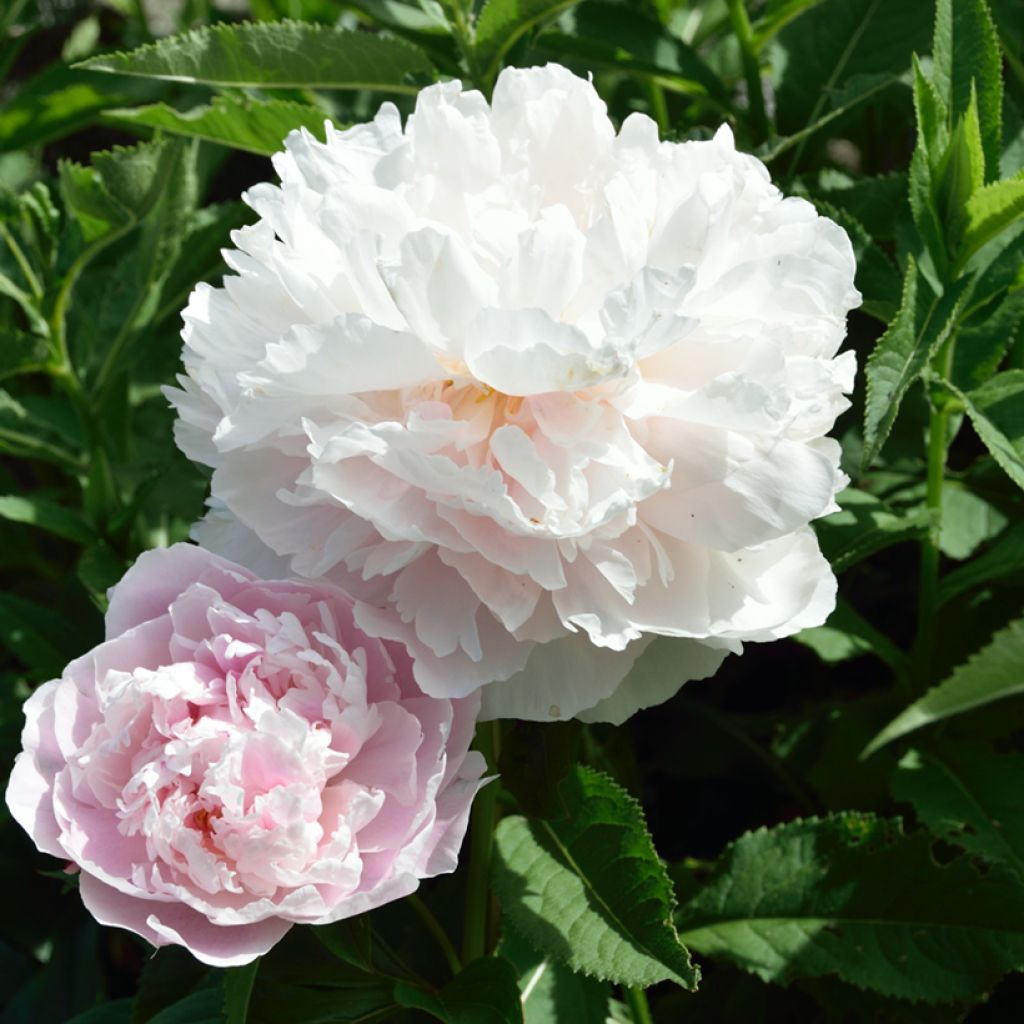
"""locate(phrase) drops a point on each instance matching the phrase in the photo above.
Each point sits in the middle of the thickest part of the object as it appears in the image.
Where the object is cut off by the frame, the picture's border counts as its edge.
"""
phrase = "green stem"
(930, 554)
(751, 68)
(26, 268)
(434, 927)
(475, 928)
(639, 1008)
(462, 29)
(938, 442)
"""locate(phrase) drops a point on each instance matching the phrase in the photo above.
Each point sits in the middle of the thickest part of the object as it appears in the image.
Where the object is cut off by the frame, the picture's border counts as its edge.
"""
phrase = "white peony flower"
(534, 391)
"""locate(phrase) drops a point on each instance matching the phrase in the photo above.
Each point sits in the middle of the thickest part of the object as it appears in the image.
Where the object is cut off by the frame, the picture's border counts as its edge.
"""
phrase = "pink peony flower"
(239, 756)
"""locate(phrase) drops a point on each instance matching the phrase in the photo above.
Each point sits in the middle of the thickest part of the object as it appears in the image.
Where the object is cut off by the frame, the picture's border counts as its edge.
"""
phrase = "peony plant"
(564, 347)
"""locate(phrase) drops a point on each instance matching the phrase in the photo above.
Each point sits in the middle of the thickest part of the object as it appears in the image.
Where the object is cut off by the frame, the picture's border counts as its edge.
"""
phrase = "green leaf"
(993, 673)
(852, 895)
(588, 889)
(1004, 559)
(502, 22)
(966, 58)
(28, 307)
(856, 91)
(970, 796)
(34, 635)
(58, 101)
(47, 516)
(967, 521)
(903, 352)
(990, 211)
(117, 1011)
(21, 352)
(847, 634)
(877, 280)
(863, 526)
(836, 40)
(120, 187)
(931, 118)
(878, 203)
(202, 1007)
(996, 410)
(959, 175)
(613, 36)
(255, 126)
(484, 992)
(275, 55)
(983, 341)
(167, 976)
(777, 15)
(550, 993)
(238, 982)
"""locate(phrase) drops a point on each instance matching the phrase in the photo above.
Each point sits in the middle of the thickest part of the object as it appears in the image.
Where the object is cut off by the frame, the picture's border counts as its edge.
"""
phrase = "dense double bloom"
(239, 756)
(534, 391)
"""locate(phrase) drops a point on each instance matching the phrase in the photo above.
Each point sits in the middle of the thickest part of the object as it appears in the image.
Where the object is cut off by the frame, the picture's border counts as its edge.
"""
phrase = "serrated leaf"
(966, 57)
(959, 175)
(852, 895)
(502, 22)
(1004, 559)
(47, 516)
(990, 211)
(550, 993)
(612, 36)
(970, 796)
(254, 126)
(902, 353)
(588, 888)
(996, 410)
(275, 55)
(983, 341)
(483, 992)
(863, 526)
(993, 673)
(120, 187)
(878, 203)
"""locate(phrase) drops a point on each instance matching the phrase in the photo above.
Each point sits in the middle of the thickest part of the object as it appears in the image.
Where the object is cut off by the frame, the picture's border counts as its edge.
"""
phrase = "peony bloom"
(533, 391)
(238, 757)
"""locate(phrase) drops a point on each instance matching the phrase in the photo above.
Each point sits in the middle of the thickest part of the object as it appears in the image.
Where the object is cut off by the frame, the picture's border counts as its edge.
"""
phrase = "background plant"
(832, 827)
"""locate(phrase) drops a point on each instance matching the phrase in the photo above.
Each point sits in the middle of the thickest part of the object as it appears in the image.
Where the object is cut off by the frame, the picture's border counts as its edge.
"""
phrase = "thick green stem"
(475, 928)
(751, 68)
(640, 1010)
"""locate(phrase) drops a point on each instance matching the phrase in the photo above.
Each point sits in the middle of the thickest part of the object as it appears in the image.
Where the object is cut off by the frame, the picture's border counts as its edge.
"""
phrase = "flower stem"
(925, 641)
(460, 19)
(435, 929)
(639, 1008)
(475, 928)
(751, 68)
(938, 442)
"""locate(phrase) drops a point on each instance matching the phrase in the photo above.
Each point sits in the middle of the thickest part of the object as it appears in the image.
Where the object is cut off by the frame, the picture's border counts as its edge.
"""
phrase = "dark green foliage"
(789, 891)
